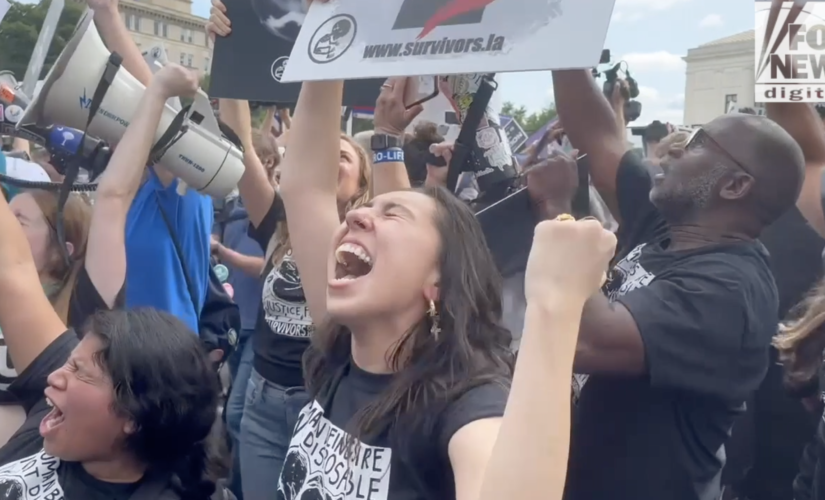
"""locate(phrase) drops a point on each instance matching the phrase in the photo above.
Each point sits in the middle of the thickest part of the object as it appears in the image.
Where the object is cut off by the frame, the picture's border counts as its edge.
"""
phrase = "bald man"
(679, 338)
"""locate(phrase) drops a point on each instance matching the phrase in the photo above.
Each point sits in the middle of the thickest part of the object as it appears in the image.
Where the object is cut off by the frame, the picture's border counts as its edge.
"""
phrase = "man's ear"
(69, 248)
(737, 187)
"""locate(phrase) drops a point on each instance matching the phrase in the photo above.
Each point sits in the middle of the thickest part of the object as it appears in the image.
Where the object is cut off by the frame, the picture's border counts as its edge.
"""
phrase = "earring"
(434, 328)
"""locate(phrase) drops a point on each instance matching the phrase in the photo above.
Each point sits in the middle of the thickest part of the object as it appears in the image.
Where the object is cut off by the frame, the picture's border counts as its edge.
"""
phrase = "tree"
(205, 81)
(19, 31)
(532, 122)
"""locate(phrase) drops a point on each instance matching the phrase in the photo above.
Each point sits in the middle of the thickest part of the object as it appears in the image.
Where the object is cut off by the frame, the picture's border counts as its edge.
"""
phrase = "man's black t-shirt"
(325, 461)
(706, 317)
(283, 329)
(84, 302)
(26, 471)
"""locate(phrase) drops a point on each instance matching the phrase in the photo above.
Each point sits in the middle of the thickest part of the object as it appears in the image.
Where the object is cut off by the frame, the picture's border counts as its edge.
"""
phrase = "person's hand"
(568, 260)
(102, 5)
(174, 80)
(556, 132)
(437, 176)
(218, 23)
(620, 91)
(286, 119)
(391, 115)
(214, 244)
(554, 179)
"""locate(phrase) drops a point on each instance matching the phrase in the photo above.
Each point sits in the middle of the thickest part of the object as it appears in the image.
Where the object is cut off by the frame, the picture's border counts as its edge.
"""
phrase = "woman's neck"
(374, 342)
(120, 470)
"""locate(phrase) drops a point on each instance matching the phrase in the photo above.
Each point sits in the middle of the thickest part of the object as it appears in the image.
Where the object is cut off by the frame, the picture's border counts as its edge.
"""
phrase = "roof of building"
(745, 36)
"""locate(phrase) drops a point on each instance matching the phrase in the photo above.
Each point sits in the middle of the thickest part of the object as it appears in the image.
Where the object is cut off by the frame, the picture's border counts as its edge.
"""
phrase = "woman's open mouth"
(351, 262)
(52, 420)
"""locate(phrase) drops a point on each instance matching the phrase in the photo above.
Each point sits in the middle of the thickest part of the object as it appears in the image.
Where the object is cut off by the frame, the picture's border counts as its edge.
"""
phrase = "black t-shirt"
(770, 439)
(84, 302)
(324, 461)
(283, 329)
(706, 317)
(26, 471)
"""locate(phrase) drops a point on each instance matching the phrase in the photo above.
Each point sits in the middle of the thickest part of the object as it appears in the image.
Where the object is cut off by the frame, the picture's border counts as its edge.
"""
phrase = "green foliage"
(19, 30)
(532, 122)
(205, 81)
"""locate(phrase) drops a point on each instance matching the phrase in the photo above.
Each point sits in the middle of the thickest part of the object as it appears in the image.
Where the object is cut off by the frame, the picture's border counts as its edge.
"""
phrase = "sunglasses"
(700, 138)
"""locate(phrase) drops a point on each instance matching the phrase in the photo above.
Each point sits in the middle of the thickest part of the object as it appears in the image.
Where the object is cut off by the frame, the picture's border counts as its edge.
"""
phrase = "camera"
(632, 109)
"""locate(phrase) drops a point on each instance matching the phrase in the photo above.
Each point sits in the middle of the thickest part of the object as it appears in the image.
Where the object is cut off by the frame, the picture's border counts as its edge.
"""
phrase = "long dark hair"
(165, 384)
(432, 371)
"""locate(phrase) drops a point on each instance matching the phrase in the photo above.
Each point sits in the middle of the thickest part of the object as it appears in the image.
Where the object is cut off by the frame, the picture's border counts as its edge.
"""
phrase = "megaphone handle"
(173, 133)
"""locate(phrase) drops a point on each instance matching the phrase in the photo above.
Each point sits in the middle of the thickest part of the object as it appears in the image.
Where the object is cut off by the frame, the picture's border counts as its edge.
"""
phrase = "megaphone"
(202, 157)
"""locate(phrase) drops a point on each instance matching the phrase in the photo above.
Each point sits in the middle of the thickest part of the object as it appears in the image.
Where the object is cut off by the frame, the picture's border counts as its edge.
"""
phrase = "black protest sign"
(508, 224)
(516, 135)
(508, 227)
(249, 63)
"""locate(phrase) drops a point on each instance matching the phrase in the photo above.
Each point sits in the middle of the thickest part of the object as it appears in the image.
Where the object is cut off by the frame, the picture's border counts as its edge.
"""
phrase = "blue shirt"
(247, 288)
(154, 276)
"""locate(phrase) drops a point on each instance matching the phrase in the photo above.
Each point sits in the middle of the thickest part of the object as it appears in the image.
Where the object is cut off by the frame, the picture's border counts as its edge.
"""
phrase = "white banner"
(352, 39)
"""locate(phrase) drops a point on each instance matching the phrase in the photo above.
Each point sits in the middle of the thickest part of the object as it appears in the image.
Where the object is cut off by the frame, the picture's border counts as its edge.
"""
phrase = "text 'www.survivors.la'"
(493, 43)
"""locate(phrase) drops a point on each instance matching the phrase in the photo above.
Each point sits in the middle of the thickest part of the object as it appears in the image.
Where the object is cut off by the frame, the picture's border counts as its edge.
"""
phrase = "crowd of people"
(669, 346)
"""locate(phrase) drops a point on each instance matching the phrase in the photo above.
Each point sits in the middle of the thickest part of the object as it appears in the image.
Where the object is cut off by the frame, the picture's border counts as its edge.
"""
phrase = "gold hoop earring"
(434, 328)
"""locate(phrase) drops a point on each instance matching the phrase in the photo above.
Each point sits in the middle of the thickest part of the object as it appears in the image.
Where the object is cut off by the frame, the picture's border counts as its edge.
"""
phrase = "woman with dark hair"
(410, 372)
(122, 414)
(85, 272)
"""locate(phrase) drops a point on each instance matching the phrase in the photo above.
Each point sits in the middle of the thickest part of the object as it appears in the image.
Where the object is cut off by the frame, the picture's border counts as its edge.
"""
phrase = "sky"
(652, 36)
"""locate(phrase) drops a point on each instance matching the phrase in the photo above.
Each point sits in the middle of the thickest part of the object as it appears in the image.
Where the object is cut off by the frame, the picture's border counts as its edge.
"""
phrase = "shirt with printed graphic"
(284, 325)
(325, 461)
(706, 317)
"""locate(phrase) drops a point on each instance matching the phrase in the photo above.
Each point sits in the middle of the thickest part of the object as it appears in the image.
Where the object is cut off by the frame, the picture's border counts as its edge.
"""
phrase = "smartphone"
(420, 90)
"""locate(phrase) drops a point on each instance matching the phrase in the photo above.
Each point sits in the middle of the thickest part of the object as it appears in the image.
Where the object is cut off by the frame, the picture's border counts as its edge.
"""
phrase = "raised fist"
(568, 260)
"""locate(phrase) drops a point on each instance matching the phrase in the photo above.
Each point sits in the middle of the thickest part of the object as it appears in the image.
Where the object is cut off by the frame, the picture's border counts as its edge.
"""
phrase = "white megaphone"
(202, 157)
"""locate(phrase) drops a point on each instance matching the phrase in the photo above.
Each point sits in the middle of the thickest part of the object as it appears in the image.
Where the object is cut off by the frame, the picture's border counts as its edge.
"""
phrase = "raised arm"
(106, 248)
(114, 33)
(117, 38)
(255, 187)
(592, 127)
(27, 318)
(309, 180)
(392, 119)
(524, 455)
(802, 121)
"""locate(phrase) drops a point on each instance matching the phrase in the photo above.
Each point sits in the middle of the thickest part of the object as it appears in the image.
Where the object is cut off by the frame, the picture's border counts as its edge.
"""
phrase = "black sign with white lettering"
(516, 135)
(250, 62)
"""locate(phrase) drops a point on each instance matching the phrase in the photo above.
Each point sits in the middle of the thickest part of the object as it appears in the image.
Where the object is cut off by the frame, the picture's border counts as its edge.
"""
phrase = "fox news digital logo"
(790, 63)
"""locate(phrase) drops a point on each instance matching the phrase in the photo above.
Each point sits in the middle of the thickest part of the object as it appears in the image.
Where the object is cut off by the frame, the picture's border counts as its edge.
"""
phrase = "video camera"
(632, 109)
